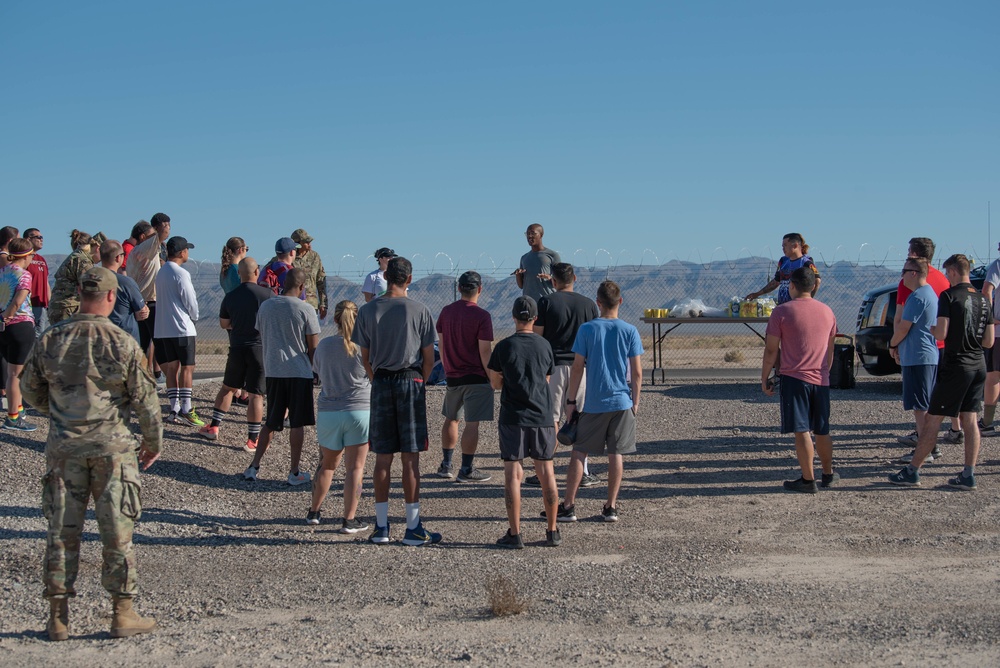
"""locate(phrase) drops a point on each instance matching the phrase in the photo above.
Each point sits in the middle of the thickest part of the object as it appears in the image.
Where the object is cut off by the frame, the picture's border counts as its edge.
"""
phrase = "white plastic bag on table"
(688, 308)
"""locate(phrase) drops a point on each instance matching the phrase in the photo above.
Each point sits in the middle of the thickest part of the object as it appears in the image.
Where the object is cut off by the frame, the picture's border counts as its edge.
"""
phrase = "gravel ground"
(710, 564)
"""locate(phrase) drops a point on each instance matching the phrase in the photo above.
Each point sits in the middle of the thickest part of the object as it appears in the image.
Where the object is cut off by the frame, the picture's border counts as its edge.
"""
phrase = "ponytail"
(345, 314)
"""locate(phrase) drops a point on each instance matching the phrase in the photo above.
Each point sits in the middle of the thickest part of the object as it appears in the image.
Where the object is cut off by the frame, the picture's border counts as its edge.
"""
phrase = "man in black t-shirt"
(245, 364)
(560, 315)
(965, 324)
(519, 367)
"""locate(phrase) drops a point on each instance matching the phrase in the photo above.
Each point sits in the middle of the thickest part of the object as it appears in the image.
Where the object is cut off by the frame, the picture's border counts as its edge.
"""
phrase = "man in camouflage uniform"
(87, 375)
(309, 261)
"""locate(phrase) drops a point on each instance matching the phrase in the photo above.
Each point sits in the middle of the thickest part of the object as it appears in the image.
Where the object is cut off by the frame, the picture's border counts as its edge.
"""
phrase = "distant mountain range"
(660, 286)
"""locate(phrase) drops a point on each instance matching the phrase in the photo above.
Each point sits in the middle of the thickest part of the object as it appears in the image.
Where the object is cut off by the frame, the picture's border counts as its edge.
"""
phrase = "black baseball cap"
(524, 309)
(470, 280)
(384, 252)
(176, 244)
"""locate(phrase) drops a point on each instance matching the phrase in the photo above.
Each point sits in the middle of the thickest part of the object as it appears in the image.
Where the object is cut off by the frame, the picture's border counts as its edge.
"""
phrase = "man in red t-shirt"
(924, 247)
(466, 340)
(39, 272)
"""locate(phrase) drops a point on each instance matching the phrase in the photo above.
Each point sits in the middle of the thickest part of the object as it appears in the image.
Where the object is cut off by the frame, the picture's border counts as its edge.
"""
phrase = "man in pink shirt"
(803, 330)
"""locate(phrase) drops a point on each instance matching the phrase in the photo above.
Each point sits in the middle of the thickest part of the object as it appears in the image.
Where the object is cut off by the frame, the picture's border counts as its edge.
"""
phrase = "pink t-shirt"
(804, 327)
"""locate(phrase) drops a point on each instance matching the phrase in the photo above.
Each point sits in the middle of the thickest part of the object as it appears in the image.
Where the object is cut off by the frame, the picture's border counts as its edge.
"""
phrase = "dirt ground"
(711, 563)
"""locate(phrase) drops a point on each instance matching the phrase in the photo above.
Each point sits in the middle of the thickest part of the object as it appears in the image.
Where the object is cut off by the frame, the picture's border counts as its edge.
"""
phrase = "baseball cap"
(301, 236)
(384, 252)
(524, 309)
(285, 245)
(470, 279)
(176, 244)
(97, 280)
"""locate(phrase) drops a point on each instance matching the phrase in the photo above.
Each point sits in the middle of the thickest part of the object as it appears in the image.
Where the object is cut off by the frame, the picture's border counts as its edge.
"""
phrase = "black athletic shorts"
(175, 349)
(958, 390)
(294, 395)
(245, 368)
(518, 443)
(398, 421)
(15, 343)
(146, 328)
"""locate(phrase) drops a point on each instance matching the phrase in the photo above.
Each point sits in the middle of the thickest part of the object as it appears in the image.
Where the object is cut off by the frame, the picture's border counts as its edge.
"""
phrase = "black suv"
(878, 310)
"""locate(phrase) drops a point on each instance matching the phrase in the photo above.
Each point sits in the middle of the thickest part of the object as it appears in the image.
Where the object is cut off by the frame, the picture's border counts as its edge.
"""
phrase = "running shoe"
(172, 418)
(986, 429)
(907, 459)
(830, 479)
(801, 485)
(962, 482)
(251, 473)
(909, 440)
(420, 536)
(532, 481)
(564, 514)
(589, 480)
(296, 479)
(552, 538)
(352, 526)
(18, 424)
(211, 433)
(904, 478)
(444, 471)
(190, 419)
(512, 541)
(250, 446)
(954, 437)
(472, 475)
(243, 401)
(312, 517)
(381, 535)
(610, 514)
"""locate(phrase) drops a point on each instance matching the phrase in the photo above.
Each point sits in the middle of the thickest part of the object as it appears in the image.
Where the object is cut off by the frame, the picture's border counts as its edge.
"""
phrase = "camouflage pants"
(113, 481)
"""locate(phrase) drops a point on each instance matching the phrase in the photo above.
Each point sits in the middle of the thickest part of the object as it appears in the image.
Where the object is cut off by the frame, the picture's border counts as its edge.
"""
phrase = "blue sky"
(696, 130)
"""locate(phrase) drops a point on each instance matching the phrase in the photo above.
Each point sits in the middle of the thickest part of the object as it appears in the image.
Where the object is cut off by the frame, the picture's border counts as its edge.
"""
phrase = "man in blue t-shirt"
(608, 350)
(914, 346)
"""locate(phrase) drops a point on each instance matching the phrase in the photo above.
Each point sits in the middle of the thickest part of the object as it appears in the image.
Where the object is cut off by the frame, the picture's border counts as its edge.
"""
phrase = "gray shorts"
(611, 433)
(559, 388)
(477, 401)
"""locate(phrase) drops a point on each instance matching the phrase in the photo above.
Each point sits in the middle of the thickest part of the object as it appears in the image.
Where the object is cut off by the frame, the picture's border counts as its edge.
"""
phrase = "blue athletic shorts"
(804, 407)
(918, 381)
(335, 430)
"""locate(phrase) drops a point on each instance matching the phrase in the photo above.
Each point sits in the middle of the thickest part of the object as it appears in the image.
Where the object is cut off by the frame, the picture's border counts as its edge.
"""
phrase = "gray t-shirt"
(394, 330)
(345, 384)
(993, 278)
(534, 263)
(284, 323)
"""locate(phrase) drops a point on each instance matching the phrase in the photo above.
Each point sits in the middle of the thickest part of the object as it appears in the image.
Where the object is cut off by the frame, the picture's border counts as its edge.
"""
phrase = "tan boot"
(126, 622)
(58, 627)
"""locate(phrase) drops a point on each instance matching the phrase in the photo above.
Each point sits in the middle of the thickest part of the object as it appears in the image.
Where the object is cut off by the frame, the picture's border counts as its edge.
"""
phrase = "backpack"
(271, 279)
(842, 371)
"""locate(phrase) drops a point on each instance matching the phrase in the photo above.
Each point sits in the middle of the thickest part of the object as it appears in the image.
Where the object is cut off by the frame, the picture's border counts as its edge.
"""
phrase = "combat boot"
(58, 627)
(126, 622)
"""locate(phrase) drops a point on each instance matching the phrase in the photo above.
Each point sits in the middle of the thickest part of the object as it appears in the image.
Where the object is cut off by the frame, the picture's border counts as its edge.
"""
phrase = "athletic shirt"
(784, 274)
(935, 279)
(968, 312)
(13, 279)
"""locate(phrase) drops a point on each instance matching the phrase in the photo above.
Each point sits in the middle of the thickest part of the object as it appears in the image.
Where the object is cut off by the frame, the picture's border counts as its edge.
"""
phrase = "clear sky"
(697, 130)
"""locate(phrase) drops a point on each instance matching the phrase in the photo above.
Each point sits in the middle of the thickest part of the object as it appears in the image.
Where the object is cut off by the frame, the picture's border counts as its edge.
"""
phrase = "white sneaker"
(250, 473)
(300, 479)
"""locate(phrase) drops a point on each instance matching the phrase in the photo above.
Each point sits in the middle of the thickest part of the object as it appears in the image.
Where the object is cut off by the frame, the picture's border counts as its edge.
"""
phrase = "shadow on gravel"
(35, 445)
(878, 390)
(193, 474)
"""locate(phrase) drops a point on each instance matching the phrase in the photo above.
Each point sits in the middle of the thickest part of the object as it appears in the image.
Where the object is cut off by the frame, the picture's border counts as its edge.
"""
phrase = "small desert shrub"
(734, 356)
(503, 597)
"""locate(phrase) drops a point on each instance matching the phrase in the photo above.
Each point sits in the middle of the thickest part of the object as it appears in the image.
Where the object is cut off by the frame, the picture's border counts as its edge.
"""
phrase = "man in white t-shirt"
(375, 285)
(174, 332)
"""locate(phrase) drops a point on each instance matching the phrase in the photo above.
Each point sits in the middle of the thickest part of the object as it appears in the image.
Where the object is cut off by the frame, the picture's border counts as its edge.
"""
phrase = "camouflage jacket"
(86, 374)
(65, 295)
(315, 278)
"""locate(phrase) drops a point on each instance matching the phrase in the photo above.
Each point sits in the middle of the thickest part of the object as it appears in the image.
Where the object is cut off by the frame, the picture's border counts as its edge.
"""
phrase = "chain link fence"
(692, 346)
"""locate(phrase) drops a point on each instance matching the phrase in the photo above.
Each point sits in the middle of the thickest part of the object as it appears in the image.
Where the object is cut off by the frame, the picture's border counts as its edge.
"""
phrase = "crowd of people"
(121, 314)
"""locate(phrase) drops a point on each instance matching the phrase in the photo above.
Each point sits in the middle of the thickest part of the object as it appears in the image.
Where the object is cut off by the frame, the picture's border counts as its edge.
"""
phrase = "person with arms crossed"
(520, 367)
(39, 270)
(608, 351)
(396, 336)
(87, 375)
(465, 340)
(965, 324)
(289, 332)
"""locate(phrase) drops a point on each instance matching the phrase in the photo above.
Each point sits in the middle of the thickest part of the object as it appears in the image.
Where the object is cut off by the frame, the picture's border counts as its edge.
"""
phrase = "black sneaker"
(513, 541)
(313, 517)
(830, 479)
(986, 429)
(352, 526)
(801, 485)
(564, 514)
(589, 480)
(610, 514)
(444, 471)
(552, 538)
(533, 481)
(472, 475)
